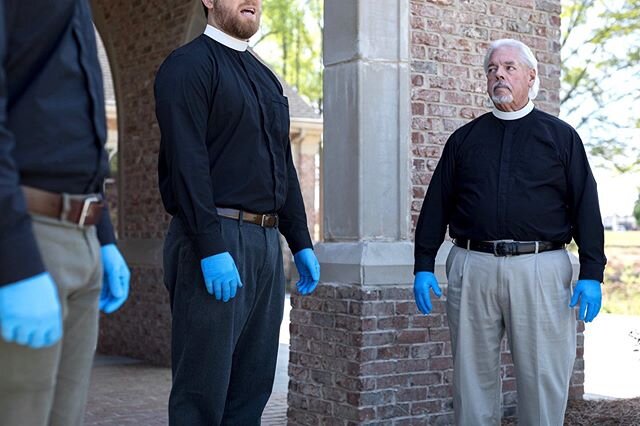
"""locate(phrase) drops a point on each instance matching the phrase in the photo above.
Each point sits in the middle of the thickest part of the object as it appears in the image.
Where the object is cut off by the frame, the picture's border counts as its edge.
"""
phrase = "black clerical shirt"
(526, 179)
(224, 126)
(52, 119)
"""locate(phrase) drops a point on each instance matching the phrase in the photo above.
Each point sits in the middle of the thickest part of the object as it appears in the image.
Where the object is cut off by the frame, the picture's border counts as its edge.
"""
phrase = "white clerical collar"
(226, 39)
(513, 115)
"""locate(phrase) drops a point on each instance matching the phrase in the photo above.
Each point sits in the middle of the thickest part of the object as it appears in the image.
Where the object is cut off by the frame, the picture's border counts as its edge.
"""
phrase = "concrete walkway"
(128, 392)
(612, 357)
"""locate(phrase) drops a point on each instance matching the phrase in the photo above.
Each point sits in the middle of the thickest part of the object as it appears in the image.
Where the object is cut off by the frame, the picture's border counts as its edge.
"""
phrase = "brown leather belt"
(81, 210)
(508, 248)
(264, 220)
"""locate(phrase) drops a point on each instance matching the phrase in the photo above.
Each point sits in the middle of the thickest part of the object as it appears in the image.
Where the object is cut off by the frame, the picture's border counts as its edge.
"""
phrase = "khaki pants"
(49, 386)
(528, 297)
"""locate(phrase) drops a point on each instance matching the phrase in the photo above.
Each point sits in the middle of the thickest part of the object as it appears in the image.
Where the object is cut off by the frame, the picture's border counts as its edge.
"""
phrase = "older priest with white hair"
(514, 186)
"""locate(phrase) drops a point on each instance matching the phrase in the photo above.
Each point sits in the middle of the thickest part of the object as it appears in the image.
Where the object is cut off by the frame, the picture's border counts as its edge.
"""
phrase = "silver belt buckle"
(85, 208)
(507, 248)
(265, 219)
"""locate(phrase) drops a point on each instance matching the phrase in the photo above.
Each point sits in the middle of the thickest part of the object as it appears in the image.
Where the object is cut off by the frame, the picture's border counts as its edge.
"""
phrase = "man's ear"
(207, 5)
(532, 76)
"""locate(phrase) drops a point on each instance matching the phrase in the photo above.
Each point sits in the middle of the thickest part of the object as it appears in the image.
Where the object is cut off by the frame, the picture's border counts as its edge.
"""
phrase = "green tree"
(601, 62)
(291, 42)
(636, 210)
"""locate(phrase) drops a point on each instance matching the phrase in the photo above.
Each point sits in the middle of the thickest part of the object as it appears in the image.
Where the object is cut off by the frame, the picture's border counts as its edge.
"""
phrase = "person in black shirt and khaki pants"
(514, 186)
(226, 176)
(58, 259)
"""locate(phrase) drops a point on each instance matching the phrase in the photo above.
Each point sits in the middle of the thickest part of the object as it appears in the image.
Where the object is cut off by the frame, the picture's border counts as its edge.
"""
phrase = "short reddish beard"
(229, 22)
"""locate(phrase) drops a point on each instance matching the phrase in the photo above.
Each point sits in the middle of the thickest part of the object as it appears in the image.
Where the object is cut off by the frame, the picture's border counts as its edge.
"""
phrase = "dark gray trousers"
(224, 354)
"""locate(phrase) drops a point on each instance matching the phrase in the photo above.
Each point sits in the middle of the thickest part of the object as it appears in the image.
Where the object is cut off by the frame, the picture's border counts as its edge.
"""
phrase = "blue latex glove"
(221, 276)
(421, 284)
(30, 313)
(308, 269)
(590, 295)
(115, 285)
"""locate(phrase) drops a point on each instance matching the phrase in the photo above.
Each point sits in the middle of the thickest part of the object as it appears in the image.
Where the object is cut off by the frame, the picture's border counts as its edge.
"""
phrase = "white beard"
(504, 99)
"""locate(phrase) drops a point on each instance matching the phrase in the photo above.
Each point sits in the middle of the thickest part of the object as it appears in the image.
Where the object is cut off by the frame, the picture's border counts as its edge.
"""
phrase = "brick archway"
(137, 37)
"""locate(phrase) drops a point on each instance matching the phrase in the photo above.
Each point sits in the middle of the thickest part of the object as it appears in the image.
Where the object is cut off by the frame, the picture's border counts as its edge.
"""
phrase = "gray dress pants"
(528, 297)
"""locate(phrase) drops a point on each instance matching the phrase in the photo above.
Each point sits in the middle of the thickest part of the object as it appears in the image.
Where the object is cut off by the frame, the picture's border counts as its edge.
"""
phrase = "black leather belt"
(508, 248)
(264, 220)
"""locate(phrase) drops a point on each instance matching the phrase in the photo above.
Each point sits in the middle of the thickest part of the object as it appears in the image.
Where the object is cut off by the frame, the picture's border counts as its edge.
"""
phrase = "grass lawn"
(629, 239)
(622, 274)
(621, 290)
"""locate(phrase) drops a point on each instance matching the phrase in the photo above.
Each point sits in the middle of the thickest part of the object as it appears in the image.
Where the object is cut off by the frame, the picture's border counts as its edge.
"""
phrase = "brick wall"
(365, 356)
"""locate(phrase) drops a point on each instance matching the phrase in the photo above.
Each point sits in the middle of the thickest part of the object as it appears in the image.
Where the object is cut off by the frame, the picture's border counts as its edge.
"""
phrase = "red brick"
(425, 407)
(392, 381)
(391, 411)
(426, 95)
(417, 108)
(443, 55)
(427, 39)
(461, 44)
(412, 394)
(425, 379)
(319, 406)
(322, 319)
(471, 113)
(393, 352)
(376, 398)
(412, 365)
(508, 385)
(442, 82)
(427, 350)
(440, 363)
(441, 110)
(320, 377)
(457, 98)
(334, 394)
(440, 391)
(322, 348)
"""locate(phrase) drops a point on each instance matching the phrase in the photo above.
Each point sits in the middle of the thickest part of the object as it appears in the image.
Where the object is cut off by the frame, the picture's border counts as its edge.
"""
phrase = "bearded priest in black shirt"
(227, 177)
(514, 186)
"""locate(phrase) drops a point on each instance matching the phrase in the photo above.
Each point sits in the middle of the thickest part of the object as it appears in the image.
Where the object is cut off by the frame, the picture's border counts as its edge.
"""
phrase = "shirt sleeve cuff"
(20, 258)
(298, 240)
(209, 244)
(591, 271)
(424, 264)
(104, 229)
